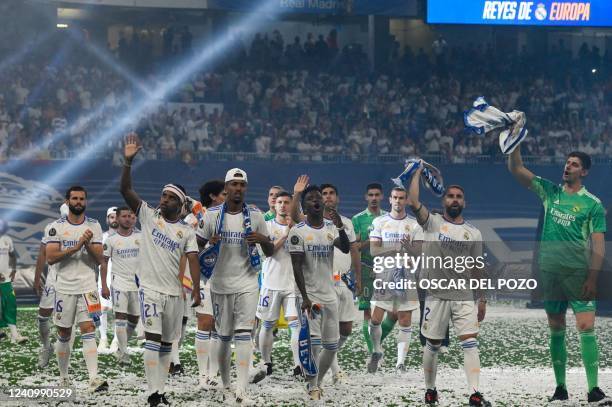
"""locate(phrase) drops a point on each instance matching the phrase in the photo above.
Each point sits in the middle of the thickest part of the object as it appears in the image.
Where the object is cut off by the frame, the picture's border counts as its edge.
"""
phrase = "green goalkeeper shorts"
(565, 288)
(8, 306)
(367, 287)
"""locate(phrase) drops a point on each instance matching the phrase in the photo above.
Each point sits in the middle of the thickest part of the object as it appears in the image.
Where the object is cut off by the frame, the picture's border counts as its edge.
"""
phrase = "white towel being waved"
(482, 118)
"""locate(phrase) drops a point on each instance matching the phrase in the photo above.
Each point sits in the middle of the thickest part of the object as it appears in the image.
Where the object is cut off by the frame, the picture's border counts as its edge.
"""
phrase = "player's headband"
(176, 191)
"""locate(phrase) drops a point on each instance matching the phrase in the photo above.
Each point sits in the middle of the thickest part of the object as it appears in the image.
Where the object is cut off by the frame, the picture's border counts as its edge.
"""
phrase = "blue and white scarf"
(431, 177)
(209, 256)
(482, 118)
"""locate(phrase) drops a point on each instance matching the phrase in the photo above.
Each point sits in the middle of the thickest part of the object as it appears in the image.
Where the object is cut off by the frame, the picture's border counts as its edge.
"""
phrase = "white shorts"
(438, 313)
(270, 302)
(47, 299)
(396, 305)
(206, 306)
(70, 308)
(161, 313)
(126, 302)
(325, 324)
(234, 312)
(347, 311)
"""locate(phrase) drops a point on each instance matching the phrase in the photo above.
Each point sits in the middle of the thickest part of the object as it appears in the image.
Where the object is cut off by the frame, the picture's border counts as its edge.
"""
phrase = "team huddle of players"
(316, 262)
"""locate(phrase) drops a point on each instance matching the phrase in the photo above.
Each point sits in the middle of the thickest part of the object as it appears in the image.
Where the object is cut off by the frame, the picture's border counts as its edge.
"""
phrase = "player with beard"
(343, 264)
(165, 239)
(393, 233)
(571, 253)
(74, 244)
(311, 244)
(123, 249)
(449, 236)
(107, 305)
(362, 222)
(47, 296)
(233, 285)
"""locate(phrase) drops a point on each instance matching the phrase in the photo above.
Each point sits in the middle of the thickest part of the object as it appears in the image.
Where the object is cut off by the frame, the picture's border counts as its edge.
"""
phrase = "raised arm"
(516, 167)
(132, 147)
(298, 189)
(421, 213)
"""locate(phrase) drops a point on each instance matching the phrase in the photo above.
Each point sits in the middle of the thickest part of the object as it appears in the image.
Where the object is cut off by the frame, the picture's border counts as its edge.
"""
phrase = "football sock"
(266, 340)
(387, 326)
(90, 353)
(151, 362)
(62, 350)
(471, 363)
(202, 348)
(430, 364)
(165, 355)
(294, 326)
(366, 334)
(375, 334)
(590, 356)
(403, 343)
(244, 350)
(558, 354)
(44, 330)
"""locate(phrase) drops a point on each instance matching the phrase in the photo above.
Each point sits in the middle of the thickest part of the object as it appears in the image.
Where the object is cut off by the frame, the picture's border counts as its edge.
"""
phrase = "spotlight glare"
(62, 25)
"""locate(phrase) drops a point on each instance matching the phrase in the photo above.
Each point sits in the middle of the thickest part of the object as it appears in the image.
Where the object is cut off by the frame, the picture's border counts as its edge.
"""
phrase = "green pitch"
(513, 349)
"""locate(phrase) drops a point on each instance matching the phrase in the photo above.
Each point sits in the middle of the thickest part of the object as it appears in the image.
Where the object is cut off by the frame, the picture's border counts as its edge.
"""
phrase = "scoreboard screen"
(593, 13)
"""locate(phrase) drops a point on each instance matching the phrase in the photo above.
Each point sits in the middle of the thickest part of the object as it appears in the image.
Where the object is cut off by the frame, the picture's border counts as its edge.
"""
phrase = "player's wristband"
(415, 211)
(340, 228)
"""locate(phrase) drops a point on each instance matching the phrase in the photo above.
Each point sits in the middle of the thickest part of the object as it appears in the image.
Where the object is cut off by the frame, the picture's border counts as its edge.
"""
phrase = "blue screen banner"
(593, 13)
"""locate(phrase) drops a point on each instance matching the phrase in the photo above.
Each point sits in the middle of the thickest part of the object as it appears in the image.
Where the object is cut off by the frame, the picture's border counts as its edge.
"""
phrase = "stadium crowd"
(312, 100)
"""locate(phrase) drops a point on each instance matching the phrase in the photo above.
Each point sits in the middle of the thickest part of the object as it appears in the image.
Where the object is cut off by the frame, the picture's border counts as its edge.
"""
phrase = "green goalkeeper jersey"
(569, 221)
(362, 222)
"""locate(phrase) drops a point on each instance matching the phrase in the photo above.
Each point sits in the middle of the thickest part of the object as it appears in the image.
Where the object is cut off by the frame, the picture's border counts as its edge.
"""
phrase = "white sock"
(326, 357)
(266, 340)
(14, 332)
(213, 359)
(244, 350)
(315, 346)
(165, 354)
(131, 327)
(430, 364)
(44, 330)
(140, 329)
(103, 328)
(174, 353)
(90, 353)
(122, 337)
(202, 347)
(151, 362)
(375, 335)
(224, 358)
(335, 367)
(471, 363)
(403, 343)
(62, 351)
(294, 326)
(72, 336)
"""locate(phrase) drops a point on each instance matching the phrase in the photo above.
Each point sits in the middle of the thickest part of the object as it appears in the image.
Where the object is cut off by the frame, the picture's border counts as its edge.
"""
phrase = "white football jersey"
(75, 274)
(6, 247)
(124, 251)
(51, 273)
(390, 230)
(317, 244)
(162, 245)
(342, 261)
(277, 269)
(447, 239)
(233, 272)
